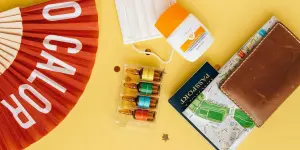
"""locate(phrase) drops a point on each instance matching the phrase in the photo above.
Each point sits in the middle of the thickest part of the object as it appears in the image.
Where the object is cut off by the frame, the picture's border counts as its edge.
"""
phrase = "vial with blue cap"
(143, 102)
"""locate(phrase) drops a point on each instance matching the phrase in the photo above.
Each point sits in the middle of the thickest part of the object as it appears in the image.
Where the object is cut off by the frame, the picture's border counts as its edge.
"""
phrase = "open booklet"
(211, 112)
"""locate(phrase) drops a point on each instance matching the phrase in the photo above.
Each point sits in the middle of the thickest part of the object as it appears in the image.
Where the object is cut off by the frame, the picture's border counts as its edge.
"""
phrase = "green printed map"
(216, 113)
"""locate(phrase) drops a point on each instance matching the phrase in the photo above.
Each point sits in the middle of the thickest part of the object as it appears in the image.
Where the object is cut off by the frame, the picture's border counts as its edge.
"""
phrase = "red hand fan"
(47, 53)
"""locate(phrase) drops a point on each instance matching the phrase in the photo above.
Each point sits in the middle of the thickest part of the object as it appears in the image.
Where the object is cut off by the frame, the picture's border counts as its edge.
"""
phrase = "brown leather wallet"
(268, 76)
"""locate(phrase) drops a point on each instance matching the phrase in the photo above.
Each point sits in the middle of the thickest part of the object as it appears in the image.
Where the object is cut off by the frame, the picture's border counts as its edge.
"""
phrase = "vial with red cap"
(140, 114)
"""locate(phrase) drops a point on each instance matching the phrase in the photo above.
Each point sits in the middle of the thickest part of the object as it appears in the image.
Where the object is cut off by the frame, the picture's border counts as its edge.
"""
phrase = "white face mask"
(138, 17)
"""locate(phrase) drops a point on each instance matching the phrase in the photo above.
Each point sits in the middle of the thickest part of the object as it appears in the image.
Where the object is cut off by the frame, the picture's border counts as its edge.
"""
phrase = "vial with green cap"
(144, 88)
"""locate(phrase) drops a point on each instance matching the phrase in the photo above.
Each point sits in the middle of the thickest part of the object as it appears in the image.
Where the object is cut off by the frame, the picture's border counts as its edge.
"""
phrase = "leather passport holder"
(267, 77)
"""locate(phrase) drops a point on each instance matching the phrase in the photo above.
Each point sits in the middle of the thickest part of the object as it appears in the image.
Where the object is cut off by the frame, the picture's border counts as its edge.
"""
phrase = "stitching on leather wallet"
(241, 108)
(230, 76)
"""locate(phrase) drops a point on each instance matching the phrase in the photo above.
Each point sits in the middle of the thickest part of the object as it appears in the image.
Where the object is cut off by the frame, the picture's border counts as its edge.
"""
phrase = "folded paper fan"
(47, 53)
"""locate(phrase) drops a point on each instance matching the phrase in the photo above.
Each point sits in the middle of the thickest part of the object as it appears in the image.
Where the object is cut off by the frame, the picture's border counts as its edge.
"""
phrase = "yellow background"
(91, 125)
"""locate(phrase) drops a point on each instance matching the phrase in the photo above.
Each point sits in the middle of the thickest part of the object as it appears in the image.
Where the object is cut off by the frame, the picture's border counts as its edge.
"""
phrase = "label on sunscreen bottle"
(184, 32)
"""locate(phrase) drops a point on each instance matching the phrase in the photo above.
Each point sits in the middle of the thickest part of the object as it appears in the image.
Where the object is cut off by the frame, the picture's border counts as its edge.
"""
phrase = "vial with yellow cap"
(145, 74)
(184, 32)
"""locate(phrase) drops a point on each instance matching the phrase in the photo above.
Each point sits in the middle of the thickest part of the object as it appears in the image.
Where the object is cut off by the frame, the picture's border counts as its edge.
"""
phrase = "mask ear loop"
(153, 54)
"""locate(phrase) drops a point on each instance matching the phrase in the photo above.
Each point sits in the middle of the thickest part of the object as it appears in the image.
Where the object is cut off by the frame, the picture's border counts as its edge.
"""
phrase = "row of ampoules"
(141, 89)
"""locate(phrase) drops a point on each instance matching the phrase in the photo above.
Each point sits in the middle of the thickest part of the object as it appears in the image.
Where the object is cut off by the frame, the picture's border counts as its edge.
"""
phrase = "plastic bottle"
(184, 32)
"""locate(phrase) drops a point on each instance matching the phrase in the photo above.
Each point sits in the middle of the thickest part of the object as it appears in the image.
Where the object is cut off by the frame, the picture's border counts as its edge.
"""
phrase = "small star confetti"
(165, 137)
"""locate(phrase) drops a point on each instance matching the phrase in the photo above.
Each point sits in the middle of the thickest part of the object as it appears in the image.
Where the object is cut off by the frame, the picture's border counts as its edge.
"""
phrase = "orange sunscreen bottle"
(184, 32)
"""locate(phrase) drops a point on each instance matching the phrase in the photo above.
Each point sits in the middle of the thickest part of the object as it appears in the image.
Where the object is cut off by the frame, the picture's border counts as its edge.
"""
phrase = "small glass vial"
(128, 105)
(145, 74)
(131, 91)
(144, 115)
(144, 88)
(139, 114)
(144, 102)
